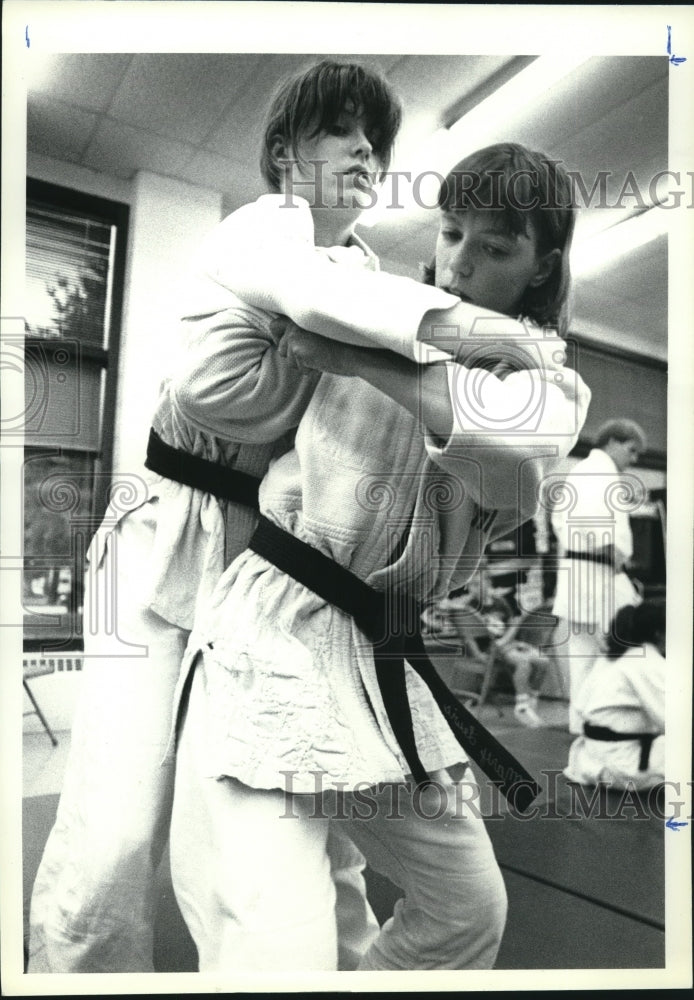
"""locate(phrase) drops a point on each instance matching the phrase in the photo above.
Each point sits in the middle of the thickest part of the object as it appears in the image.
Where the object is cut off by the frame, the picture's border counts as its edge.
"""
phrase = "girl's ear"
(545, 267)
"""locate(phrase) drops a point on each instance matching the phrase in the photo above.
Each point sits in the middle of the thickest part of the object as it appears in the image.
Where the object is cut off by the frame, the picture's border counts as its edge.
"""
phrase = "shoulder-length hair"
(526, 189)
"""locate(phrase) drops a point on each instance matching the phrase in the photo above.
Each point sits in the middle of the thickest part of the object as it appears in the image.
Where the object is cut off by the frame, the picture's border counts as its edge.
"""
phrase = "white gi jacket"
(594, 513)
(626, 695)
(230, 360)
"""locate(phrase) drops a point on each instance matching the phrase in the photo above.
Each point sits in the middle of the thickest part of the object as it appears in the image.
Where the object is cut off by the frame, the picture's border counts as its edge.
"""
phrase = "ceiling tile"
(586, 96)
(181, 96)
(615, 143)
(242, 124)
(86, 79)
(449, 77)
(59, 130)
(628, 296)
(122, 150)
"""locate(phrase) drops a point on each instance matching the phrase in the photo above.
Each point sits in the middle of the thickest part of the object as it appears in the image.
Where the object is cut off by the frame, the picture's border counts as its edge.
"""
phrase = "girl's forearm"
(421, 390)
(266, 256)
(465, 328)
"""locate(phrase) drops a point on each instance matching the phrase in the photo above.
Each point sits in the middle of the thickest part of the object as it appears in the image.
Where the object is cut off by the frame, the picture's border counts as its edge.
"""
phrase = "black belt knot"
(606, 735)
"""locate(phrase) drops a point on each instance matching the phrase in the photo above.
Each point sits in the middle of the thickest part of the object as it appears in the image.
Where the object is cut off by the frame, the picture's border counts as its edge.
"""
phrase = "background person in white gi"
(622, 705)
(595, 545)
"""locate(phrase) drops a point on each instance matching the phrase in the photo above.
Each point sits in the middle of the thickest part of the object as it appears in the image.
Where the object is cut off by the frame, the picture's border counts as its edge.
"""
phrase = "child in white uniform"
(284, 706)
(622, 705)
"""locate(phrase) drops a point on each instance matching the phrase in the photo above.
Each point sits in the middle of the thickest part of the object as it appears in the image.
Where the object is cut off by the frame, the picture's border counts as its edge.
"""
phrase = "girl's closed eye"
(496, 252)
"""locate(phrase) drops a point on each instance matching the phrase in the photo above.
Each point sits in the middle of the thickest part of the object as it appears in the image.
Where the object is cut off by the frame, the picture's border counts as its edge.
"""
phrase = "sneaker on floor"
(527, 716)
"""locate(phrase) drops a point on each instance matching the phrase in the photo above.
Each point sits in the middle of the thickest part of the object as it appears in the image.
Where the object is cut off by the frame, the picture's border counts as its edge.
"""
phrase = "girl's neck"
(329, 229)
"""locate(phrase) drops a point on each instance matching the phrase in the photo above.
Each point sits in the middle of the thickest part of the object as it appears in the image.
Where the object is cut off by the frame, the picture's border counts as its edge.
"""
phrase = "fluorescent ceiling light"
(616, 241)
(489, 121)
(486, 121)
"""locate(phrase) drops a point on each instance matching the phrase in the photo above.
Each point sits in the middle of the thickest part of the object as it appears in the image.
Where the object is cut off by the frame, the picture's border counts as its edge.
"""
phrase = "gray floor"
(572, 901)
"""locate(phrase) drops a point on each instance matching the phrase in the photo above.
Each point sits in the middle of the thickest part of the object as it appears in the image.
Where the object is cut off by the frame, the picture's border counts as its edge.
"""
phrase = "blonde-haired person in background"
(595, 548)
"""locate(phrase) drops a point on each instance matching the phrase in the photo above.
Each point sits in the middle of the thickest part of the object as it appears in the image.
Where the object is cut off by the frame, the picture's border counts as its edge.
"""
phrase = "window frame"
(114, 213)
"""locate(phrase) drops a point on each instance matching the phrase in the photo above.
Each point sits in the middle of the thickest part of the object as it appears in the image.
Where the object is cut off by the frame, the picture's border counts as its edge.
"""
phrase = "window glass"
(75, 255)
(58, 523)
(67, 275)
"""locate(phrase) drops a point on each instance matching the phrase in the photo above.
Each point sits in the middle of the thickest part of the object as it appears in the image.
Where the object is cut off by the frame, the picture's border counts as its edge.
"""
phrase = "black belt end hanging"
(388, 625)
(522, 794)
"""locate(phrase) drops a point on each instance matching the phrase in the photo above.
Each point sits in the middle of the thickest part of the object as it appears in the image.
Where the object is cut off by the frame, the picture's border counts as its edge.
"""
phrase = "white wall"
(167, 220)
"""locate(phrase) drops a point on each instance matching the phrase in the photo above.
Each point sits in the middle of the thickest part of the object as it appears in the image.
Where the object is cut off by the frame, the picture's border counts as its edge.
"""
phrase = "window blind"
(68, 267)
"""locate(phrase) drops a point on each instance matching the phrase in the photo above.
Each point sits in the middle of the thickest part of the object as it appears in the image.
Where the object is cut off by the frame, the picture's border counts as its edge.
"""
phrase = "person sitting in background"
(525, 662)
(510, 559)
(622, 705)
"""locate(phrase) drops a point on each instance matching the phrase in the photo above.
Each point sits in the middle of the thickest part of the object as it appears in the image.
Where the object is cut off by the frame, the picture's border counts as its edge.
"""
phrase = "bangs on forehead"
(501, 192)
(530, 194)
(349, 89)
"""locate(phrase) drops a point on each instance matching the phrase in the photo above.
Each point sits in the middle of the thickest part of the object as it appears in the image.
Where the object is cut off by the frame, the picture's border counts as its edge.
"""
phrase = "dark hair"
(525, 186)
(620, 430)
(636, 624)
(313, 100)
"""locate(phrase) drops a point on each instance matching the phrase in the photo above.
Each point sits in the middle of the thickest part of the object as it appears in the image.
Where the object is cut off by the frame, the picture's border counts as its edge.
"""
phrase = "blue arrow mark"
(675, 60)
(672, 824)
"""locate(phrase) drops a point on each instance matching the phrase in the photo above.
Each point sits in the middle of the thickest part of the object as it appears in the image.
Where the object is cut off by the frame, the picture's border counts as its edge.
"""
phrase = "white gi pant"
(616, 765)
(252, 877)
(93, 901)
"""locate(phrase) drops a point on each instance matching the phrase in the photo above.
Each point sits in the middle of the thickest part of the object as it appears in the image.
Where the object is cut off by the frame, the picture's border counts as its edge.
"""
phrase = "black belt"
(598, 557)
(200, 473)
(392, 622)
(610, 736)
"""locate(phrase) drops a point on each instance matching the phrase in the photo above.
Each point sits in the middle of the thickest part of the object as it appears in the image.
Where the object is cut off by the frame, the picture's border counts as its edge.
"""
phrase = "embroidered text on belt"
(392, 626)
(610, 736)
(200, 473)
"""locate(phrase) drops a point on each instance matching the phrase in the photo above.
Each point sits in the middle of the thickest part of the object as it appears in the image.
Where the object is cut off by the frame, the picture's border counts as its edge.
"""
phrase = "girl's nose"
(362, 146)
(461, 260)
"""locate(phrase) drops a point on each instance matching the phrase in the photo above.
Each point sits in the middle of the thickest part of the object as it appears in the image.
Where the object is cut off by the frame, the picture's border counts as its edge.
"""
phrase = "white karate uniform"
(626, 695)
(593, 514)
